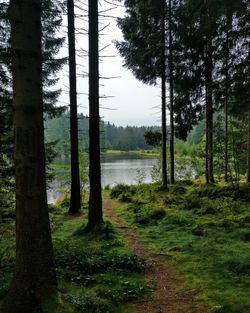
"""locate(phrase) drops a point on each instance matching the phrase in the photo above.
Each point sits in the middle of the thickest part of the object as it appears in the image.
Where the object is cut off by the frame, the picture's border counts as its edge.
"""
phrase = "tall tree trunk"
(35, 281)
(207, 127)
(75, 193)
(171, 94)
(209, 111)
(248, 145)
(163, 100)
(226, 111)
(95, 216)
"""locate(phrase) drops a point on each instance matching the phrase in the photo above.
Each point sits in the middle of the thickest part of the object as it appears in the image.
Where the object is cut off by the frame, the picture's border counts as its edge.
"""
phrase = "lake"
(117, 168)
(123, 168)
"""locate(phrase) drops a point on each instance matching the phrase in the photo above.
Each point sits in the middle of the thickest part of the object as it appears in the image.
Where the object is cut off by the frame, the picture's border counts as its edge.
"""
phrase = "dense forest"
(179, 244)
(112, 137)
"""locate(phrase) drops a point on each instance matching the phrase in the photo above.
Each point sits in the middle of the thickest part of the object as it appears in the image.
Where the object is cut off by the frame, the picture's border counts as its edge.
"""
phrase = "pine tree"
(144, 52)
(35, 279)
(95, 216)
(75, 193)
(51, 21)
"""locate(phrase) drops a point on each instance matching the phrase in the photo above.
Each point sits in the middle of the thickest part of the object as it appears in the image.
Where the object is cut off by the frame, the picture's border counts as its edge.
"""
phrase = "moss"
(205, 234)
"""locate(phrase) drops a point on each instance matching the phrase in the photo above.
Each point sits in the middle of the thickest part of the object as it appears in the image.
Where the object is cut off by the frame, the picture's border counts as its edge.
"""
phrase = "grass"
(95, 274)
(204, 231)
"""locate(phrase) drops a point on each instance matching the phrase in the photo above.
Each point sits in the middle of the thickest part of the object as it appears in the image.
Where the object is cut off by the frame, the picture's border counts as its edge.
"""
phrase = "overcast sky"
(132, 102)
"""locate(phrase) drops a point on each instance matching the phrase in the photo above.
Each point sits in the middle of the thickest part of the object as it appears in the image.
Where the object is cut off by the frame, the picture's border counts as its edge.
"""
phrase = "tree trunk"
(226, 111)
(248, 145)
(75, 196)
(163, 101)
(209, 111)
(34, 282)
(95, 216)
(171, 94)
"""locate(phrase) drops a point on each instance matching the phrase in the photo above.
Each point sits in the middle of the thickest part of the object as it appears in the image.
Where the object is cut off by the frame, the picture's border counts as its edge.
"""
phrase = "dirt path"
(166, 298)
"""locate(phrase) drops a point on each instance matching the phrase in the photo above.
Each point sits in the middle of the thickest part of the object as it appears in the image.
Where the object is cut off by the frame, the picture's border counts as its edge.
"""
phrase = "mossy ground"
(96, 274)
(202, 230)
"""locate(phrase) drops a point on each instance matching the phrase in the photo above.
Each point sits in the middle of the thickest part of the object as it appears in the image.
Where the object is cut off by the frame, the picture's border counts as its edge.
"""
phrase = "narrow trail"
(167, 297)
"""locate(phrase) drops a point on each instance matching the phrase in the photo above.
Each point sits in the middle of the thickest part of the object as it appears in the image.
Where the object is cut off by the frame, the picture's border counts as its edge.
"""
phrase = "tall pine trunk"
(209, 111)
(95, 217)
(248, 145)
(34, 281)
(163, 100)
(171, 94)
(75, 193)
(226, 110)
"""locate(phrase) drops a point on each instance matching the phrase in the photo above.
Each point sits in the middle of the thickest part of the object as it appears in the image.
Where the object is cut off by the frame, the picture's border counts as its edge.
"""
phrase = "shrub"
(192, 203)
(90, 302)
(121, 189)
(178, 189)
(158, 214)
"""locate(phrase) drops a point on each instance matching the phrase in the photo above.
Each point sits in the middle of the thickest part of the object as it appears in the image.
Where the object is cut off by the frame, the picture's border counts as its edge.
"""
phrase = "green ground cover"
(95, 274)
(203, 230)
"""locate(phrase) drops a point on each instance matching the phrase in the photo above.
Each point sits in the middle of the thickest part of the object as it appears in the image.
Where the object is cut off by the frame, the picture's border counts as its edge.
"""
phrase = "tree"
(197, 29)
(153, 138)
(144, 52)
(34, 282)
(75, 193)
(171, 91)
(95, 216)
(51, 21)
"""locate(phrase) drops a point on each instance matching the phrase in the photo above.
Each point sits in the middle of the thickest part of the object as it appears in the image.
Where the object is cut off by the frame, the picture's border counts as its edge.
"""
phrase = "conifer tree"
(144, 52)
(34, 282)
(75, 193)
(95, 216)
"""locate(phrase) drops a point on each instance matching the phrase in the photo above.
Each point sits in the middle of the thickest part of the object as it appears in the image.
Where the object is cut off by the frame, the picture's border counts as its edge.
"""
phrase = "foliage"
(205, 233)
(153, 138)
(113, 137)
(51, 22)
(140, 176)
(94, 274)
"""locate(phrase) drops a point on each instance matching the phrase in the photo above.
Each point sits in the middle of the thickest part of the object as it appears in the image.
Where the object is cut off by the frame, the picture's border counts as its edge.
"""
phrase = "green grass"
(205, 233)
(95, 274)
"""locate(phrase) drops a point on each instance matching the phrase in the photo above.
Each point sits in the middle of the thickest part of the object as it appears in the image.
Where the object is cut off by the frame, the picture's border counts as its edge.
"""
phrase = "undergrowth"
(204, 231)
(95, 274)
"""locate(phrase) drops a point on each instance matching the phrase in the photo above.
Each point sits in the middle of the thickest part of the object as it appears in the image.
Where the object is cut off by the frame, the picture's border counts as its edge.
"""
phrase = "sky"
(130, 102)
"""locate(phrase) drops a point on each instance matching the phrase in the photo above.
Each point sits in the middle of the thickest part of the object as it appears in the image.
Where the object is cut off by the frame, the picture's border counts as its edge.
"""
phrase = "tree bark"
(75, 193)
(163, 100)
(95, 216)
(226, 111)
(209, 111)
(171, 94)
(248, 145)
(34, 281)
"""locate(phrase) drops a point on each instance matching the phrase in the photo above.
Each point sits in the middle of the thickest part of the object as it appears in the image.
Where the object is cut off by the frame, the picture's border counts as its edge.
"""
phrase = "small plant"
(192, 203)
(90, 302)
(140, 176)
(121, 189)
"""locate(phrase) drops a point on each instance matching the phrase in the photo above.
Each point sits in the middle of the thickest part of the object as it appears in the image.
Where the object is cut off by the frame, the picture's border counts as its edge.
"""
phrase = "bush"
(90, 302)
(158, 214)
(121, 189)
(192, 203)
(76, 259)
(178, 189)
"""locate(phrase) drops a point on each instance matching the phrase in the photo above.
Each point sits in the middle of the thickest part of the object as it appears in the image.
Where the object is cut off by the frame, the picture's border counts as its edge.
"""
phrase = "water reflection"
(116, 168)
(125, 170)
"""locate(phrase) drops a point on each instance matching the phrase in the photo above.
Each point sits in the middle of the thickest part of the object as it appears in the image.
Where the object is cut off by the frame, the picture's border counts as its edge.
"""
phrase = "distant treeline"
(112, 137)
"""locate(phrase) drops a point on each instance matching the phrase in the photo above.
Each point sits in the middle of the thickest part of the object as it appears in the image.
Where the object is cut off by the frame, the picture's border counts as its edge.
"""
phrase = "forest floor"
(169, 296)
(185, 250)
